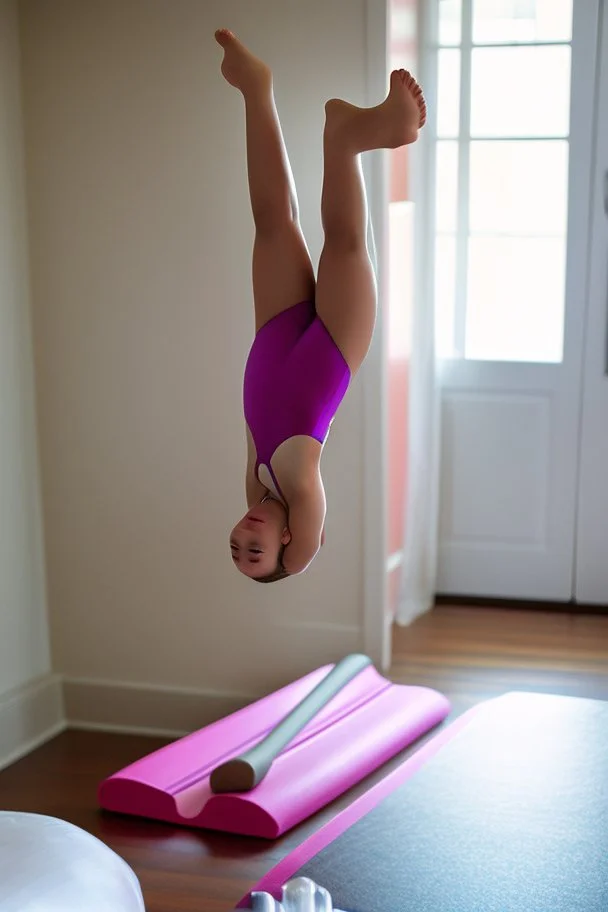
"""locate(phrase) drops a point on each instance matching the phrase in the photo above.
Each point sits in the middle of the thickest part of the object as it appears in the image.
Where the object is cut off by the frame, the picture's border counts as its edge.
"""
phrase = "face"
(256, 540)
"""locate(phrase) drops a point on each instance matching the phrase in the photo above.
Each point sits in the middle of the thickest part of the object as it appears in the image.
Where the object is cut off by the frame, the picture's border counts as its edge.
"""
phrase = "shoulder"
(306, 521)
(300, 553)
(296, 463)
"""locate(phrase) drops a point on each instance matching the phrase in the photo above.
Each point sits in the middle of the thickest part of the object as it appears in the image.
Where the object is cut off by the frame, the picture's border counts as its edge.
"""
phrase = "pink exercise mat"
(361, 728)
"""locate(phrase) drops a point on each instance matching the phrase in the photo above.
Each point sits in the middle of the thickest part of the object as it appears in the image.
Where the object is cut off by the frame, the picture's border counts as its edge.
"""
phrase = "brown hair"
(277, 574)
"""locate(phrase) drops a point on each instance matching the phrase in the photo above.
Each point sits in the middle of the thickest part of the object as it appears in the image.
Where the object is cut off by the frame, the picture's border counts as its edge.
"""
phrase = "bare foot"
(389, 125)
(239, 67)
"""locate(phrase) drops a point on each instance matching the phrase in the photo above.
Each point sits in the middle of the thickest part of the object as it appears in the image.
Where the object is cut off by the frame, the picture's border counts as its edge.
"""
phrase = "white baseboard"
(174, 711)
(41, 710)
(144, 709)
(29, 716)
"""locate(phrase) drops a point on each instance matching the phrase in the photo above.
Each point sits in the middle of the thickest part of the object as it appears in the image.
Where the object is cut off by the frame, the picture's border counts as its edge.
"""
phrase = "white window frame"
(429, 34)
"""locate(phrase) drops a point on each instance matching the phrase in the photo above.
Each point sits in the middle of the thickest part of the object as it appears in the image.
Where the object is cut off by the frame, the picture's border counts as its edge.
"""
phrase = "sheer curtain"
(414, 401)
(418, 569)
(421, 526)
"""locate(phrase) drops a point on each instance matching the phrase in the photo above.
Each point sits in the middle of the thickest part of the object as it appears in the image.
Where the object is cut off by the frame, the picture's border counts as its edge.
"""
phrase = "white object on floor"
(48, 865)
(299, 895)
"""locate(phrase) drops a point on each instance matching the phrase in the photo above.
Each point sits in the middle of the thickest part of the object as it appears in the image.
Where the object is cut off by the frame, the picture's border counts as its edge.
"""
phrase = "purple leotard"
(295, 380)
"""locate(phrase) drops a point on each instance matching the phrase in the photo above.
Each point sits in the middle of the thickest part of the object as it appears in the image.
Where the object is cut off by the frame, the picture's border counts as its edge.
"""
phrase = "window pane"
(450, 16)
(447, 186)
(448, 93)
(521, 91)
(515, 307)
(519, 187)
(521, 20)
(445, 285)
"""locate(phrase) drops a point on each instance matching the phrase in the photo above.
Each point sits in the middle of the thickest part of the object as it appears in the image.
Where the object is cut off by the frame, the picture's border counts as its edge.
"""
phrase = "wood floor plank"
(470, 654)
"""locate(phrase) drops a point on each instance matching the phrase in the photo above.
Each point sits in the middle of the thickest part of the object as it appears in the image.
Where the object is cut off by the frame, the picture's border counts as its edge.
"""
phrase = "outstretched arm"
(306, 523)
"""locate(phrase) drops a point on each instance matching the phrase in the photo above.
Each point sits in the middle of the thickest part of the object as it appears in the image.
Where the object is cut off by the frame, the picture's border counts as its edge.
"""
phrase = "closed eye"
(252, 551)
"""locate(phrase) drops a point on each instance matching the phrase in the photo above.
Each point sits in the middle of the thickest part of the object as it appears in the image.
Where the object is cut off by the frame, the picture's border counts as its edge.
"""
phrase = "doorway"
(515, 135)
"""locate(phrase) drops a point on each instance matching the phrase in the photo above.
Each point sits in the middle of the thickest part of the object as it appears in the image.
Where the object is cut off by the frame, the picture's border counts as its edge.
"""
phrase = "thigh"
(346, 302)
(282, 272)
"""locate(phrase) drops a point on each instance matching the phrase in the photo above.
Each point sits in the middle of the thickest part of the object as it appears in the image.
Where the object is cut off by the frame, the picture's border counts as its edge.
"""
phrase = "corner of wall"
(29, 716)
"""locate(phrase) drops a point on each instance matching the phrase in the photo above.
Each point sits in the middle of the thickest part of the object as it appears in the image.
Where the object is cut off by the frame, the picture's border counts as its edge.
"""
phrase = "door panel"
(509, 448)
(511, 391)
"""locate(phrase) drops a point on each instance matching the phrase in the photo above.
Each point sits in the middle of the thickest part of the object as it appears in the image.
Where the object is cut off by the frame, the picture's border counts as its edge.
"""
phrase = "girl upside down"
(311, 336)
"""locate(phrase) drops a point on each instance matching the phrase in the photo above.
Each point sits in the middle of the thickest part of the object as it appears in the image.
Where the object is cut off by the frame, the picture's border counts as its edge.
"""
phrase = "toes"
(417, 93)
(224, 36)
(412, 84)
(405, 78)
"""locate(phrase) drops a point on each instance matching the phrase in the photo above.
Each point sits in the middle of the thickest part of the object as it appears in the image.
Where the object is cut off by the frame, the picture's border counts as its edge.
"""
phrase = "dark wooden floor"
(468, 653)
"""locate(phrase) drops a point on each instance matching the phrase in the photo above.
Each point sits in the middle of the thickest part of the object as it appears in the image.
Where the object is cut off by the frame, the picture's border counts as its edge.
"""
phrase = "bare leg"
(282, 272)
(346, 285)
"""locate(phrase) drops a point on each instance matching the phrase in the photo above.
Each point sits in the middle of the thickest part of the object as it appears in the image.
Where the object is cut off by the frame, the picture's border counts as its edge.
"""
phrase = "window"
(502, 154)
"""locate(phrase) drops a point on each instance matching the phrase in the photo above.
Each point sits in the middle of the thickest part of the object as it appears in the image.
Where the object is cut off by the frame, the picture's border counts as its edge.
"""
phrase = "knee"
(342, 239)
(270, 218)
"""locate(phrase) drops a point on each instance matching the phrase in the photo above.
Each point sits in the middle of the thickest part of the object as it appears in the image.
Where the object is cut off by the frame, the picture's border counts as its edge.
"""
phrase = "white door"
(515, 118)
(592, 535)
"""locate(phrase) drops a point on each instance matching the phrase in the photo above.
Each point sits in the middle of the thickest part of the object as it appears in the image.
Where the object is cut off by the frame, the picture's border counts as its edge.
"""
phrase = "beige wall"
(24, 650)
(29, 701)
(140, 246)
